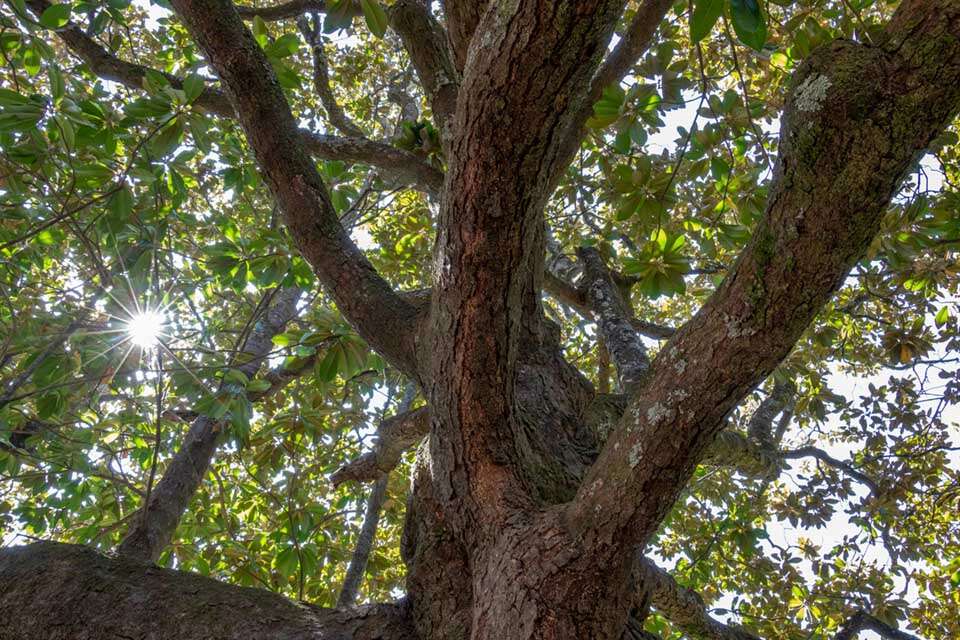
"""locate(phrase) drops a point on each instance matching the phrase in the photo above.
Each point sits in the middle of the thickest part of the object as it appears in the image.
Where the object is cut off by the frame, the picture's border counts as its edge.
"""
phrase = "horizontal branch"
(284, 10)
(52, 591)
(863, 621)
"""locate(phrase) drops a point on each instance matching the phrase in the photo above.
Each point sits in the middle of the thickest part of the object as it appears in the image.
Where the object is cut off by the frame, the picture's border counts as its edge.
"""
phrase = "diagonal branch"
(462, 18)
(371, 518)
(382, 317)
(425, 41)
(863, 621)
(856, 119)
(310, 28)
(613, 320)
(394, 436)
(558, 286)
(633, 44)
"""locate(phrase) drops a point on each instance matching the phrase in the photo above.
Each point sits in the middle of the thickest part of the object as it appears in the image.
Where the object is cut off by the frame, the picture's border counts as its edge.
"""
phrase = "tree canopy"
(159, 271)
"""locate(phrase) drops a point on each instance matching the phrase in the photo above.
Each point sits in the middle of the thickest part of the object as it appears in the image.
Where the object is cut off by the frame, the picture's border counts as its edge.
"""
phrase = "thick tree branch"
(462, 18)
(383, 318)
(51, 591)
(425, 42)
(152, 530)
(395, 435)
(682, 606)
(855, 121)
(613, 320)
(284, 10)
(399, 165)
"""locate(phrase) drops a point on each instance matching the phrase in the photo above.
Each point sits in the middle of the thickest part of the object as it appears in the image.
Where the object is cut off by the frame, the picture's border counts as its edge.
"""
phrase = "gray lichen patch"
(812, 92)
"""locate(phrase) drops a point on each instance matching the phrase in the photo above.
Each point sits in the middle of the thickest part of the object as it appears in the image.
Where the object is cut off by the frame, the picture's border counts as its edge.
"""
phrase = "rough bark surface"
(51, 591)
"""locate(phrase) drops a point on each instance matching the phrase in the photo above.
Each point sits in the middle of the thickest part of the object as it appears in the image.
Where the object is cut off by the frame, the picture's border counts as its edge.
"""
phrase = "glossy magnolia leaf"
(606, 110)
(749, 22)
(703, 17)
(942, 317)
(375, 17)
(55, 16)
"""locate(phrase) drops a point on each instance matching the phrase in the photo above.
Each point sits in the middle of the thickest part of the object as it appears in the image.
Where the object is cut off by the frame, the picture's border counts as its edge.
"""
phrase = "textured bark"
(424, 40)
(684, 607)
(613, 320)
(284, 10)
(383, 318)
(462, 17)
(153, 528)
(52, 591)
(855, 122)
(395, 435)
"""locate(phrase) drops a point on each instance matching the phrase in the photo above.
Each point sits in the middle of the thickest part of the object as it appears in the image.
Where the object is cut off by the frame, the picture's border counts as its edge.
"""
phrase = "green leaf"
(704, 16)
(55, 16)
(192, 87)
(260, 31)
(31, 60)
(749, 23)
(375, 16)
(258, 385)
(168, 139)
(942, 317)
(287, 562)
(606, 110)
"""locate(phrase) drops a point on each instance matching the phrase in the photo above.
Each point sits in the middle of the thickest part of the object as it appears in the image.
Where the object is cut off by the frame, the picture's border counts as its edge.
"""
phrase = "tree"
(195, 340)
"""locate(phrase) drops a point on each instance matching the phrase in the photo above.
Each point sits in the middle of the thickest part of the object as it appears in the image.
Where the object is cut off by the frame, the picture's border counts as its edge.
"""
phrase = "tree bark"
(51, 591)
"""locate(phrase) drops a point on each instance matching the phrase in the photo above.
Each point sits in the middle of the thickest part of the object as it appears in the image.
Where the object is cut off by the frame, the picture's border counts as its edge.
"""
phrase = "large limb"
(856, 120)
(425, 41)
(383, 318)
(51, 591)
(154, 526)
(462, 18)
(490, 239)
(396, 163)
